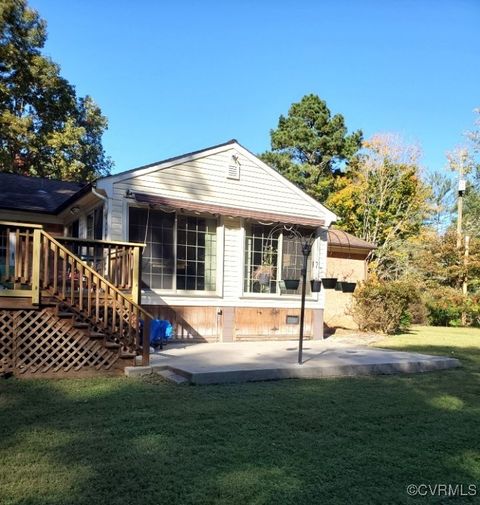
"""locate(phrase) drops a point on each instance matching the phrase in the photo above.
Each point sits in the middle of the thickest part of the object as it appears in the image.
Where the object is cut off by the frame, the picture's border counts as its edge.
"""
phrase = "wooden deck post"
(137, 276)
(36, 262)
(146, 342)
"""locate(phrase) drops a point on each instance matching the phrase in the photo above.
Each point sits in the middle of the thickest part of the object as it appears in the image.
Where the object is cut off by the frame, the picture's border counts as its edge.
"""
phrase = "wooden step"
(127, 355)
(112, 345)
(96, 335)
(80, 325)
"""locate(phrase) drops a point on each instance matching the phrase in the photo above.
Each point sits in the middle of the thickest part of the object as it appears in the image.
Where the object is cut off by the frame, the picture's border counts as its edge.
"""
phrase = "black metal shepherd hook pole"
(306, 242)
(306, 249)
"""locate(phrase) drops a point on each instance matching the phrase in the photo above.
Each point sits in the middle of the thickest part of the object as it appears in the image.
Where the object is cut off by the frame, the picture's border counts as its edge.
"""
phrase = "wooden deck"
(68, 305)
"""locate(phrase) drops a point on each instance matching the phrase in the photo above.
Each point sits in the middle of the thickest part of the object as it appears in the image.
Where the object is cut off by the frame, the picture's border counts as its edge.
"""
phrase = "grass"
(117, 441)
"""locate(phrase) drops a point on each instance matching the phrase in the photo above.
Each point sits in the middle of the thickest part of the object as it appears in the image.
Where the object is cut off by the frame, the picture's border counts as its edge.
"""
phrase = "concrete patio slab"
(256, 361)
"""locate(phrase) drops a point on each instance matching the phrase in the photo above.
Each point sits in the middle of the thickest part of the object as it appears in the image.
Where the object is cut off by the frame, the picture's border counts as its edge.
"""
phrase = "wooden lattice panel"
(37, 342)
(6, 341)
(45, 343)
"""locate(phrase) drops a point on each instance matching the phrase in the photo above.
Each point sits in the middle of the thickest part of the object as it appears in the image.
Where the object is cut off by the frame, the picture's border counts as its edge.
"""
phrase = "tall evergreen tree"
(45, 129)
(310, 146)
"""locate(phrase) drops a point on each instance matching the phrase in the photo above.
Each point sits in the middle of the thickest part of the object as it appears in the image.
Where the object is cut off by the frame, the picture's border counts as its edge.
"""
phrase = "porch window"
(156, 230)
(95, 224)
(196, 253)
(180, 251)
(261, 255)
(270, 258)
(73, 229)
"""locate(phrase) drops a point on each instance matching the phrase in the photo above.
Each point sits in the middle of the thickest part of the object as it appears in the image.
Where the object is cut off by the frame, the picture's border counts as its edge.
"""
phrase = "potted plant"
(329, 281)
(347, 286)
(264, 273)
(316, 285)
(291, 283)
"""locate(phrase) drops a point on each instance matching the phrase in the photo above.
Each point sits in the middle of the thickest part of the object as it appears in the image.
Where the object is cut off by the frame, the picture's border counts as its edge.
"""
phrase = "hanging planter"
(348, 287)
(338, 286)
(291, 283)
(316, 285)
(329, 282)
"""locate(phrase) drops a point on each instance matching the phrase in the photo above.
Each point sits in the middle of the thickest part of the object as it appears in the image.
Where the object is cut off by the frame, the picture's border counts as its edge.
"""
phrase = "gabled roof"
(327, 215)
(180, 158)
(36, 194)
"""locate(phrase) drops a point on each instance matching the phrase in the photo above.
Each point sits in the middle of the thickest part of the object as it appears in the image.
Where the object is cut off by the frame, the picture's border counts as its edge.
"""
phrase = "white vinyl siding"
(204, 180)
(233, 262)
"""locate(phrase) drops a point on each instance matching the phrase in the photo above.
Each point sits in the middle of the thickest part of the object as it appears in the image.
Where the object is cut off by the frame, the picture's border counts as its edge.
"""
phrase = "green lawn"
(339, 441)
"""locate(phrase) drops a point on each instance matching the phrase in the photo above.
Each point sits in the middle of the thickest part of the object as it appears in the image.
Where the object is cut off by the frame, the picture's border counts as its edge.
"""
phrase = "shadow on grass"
(119, 441)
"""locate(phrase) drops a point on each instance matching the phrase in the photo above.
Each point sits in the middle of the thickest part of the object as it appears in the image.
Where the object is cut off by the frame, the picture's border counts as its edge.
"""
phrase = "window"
(292, 262)
(156, 229)
(3, 252)
(196, 253)
(261, 251)
(270, 258)
(73, 229)
(180, 252)
(95, 224)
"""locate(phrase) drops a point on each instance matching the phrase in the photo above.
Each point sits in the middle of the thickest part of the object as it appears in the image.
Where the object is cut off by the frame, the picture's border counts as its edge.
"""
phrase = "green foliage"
(442, 200)
(45, 130)
(439, 263)
(310, 146)
(384, 306)
(382, 199)
(446, 307)
(471, 206)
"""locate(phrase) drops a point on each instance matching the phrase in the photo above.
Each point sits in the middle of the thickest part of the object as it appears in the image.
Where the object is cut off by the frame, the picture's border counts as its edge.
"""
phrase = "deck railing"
(118, 262)
(16, 258)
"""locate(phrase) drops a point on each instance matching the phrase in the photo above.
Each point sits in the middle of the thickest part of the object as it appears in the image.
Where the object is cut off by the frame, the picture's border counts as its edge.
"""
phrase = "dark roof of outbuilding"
(36, 194)
(340, 238)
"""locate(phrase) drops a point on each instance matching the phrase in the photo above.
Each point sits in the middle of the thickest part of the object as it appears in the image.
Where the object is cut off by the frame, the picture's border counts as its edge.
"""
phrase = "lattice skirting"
(37, 342)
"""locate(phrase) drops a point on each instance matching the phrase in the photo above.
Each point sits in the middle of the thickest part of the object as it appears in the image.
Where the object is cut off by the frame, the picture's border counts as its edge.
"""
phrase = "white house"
(207, 218)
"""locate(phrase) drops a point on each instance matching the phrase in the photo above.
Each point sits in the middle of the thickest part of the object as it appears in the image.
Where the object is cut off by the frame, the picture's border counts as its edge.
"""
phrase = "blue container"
(160, 330)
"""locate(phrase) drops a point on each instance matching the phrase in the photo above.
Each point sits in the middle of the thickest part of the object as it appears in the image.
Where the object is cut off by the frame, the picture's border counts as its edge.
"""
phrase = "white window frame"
(219, 258)
(278, 294)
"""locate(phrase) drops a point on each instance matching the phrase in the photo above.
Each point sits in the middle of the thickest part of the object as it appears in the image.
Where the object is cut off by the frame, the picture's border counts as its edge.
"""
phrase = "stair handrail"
(119, 295)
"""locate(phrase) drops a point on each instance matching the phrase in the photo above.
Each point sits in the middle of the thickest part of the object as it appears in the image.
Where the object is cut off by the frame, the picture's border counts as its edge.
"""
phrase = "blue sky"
(176, 76)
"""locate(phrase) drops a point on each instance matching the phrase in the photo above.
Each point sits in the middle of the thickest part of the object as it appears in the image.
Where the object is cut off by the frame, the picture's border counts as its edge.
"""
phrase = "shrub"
(446, 305)
(384, 306)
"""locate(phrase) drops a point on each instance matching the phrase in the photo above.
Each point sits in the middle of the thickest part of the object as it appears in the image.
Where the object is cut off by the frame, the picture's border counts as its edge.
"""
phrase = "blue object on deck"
(160, 331)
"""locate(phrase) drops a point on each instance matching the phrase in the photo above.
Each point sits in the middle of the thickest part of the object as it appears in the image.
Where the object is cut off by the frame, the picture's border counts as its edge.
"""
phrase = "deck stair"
(62, 312)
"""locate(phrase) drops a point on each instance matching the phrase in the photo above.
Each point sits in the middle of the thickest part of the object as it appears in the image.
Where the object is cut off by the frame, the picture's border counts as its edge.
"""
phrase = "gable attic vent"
(233, 170)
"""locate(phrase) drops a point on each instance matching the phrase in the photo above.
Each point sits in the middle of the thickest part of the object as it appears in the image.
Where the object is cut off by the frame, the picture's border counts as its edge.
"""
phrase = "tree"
(383, 200)
(310, 146)
(439, 263)
(471, 221)
(461, 160)
(442, 200)
(45, 129)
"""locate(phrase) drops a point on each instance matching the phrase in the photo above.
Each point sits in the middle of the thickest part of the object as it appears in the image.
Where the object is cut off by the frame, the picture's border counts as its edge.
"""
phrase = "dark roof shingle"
(35, 194)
